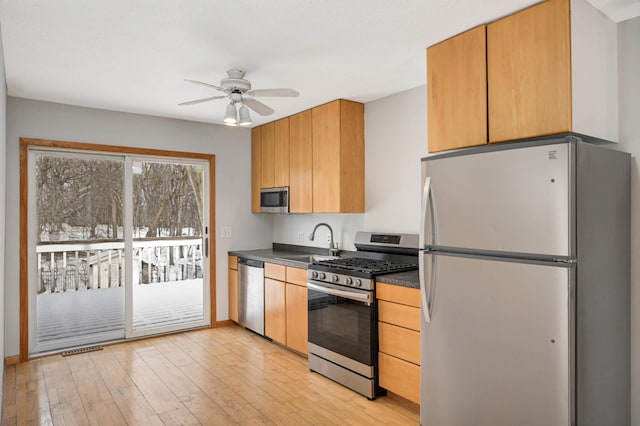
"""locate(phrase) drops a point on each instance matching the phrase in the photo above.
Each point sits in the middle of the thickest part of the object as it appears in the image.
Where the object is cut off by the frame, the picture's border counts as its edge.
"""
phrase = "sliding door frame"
(26, 144)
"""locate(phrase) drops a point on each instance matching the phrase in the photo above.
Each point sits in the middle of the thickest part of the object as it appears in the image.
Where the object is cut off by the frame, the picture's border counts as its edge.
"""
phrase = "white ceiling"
(133, 55)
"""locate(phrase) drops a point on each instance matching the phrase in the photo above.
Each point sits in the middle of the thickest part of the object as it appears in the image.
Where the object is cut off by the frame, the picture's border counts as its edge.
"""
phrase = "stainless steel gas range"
(343, 336)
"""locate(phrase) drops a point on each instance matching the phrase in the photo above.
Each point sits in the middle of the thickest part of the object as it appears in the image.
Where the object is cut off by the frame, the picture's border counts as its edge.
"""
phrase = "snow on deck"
(81, 313)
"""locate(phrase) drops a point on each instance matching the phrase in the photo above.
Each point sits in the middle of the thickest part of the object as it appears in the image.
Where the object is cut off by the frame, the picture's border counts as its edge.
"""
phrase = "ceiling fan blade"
(197, 101)
(290, 93)
(257, 106)
(202, 83)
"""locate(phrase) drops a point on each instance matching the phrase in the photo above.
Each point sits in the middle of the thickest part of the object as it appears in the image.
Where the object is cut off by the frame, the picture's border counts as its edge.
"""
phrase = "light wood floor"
(215, 376)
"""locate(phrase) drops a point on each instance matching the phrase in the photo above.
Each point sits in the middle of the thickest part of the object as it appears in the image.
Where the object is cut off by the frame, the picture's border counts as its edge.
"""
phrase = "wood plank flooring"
(220, 376)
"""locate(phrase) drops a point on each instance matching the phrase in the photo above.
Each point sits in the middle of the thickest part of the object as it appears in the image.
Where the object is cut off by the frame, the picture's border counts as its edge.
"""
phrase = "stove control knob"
(349, 281)
(336, 278)
(359, 283)
(314, 274)
(321, 276)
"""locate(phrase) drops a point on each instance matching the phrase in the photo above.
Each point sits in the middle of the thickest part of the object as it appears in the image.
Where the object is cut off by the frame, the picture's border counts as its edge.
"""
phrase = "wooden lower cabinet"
(233, 288)
(274, 310)
(400, 377)
(297, 318)
(285, 306)
(399, 340)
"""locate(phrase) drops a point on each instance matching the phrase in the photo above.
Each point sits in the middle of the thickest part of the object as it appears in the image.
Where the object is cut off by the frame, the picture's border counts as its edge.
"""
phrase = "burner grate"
(370, 266)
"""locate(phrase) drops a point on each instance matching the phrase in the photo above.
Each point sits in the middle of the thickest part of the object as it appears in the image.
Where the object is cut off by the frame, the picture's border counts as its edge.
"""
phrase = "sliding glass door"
(118, 247)
(169, 245)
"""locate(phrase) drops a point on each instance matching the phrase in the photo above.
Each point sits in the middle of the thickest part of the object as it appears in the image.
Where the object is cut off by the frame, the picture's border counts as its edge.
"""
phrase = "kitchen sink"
(307, 258)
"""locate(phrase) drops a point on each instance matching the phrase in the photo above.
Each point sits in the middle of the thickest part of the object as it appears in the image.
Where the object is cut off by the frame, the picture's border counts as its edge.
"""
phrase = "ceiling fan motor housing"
(235, 82)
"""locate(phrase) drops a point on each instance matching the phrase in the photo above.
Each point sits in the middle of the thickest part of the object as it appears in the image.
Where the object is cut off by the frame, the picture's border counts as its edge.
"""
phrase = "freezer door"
(509, 200)
(497, 348)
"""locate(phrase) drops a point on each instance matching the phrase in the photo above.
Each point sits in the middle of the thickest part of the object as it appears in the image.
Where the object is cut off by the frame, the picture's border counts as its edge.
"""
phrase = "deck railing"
(86, 265)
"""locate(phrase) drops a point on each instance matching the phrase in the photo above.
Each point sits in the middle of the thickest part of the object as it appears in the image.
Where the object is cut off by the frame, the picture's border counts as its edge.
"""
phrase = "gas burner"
(366, 266)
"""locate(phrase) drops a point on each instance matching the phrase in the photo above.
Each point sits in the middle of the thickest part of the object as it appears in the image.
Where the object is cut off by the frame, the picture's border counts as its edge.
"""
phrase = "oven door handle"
(360, 297)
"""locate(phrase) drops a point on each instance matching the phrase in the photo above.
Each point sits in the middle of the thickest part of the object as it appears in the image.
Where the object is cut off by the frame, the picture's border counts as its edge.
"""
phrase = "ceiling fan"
(239, 91)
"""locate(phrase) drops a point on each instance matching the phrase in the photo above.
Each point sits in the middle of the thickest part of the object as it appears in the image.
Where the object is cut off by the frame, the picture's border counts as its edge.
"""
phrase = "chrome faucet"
(333, 246)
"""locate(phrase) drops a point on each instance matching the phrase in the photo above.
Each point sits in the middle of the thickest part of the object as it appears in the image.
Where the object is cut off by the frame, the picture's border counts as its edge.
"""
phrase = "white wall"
(395, 140)
(231, 146)
(629, 104)
(3, 175)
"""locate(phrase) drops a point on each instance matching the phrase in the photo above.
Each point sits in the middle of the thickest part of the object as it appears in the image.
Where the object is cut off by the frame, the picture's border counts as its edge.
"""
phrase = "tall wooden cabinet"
(281, 152)
(267, 157)
(545, 73)
(300, 163)
(338, 157)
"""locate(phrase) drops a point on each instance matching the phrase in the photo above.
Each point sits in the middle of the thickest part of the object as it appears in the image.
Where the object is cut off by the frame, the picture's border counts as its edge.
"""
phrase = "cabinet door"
(233, 295)
(297, 319)
(338, 157)
(457, 91)
(274, 311)
(281, 153)
(351, 157)
(268, 155)
(400, 377)
(300, 163)
(256, 168)
(325, 121)
(529, 72)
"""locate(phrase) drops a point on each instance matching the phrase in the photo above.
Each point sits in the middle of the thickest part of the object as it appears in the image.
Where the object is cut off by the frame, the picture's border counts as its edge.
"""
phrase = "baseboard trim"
(224, 323)
(12, 360)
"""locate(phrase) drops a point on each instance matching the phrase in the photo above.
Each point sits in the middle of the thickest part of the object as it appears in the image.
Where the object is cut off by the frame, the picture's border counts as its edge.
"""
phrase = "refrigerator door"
(502, 200)
(497, 348)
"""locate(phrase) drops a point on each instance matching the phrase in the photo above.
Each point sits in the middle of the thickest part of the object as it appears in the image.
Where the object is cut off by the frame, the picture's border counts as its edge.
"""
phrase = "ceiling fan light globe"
(231, 116)
(245, 118)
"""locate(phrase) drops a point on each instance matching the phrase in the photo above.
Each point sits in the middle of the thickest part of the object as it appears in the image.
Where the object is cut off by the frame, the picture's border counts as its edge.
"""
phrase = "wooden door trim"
(27, 143)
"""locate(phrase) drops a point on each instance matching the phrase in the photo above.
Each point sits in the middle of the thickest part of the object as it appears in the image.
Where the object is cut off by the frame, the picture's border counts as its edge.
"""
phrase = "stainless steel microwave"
(274, 200)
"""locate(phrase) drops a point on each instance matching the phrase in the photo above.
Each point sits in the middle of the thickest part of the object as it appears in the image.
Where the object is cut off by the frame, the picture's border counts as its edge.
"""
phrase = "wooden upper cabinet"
(268, 155)
(550, 69)
(300, 163)
(456, 91)
(281, 153)
(529, 72)
(318, 154)
(338, 157)
(256, 168)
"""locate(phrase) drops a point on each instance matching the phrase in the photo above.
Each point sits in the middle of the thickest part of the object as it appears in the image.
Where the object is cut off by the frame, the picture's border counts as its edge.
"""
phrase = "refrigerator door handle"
(427, 286)
(428, 200)
(426, 193)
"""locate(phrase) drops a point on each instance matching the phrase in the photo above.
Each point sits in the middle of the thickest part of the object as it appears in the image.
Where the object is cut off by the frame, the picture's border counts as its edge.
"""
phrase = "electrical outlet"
(300, 236)
(329, 238)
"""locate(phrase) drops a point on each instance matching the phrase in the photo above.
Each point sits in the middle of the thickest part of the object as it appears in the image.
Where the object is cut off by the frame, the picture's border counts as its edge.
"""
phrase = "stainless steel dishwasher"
(251, 294)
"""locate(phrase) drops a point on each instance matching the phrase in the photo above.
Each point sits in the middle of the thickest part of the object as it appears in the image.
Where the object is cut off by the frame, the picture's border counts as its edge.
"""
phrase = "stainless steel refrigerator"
(524, 272)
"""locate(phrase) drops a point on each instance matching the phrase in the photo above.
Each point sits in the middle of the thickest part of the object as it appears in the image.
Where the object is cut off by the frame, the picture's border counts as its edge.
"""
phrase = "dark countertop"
(409, 279)
(277, 253)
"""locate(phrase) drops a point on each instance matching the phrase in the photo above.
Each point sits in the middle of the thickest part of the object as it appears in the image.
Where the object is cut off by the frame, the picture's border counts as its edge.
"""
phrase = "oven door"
(342, 320)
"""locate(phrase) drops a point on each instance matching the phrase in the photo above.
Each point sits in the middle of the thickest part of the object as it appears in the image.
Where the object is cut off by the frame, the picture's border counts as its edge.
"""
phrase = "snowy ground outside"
(81, 313)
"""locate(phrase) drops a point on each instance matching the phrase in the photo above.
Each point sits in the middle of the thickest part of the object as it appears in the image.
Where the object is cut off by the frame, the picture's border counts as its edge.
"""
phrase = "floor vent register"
(82, 350)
